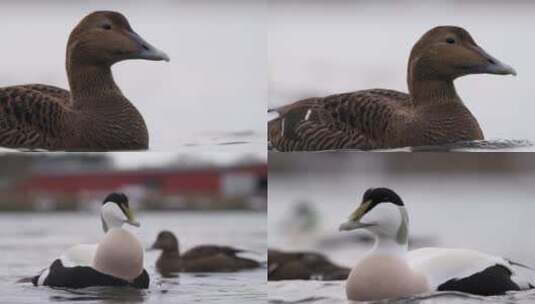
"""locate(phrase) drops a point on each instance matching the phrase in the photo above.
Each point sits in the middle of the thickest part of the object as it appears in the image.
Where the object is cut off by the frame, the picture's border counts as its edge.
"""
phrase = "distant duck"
(303, 266)
(204, 258)
(117, 260)
(431, 114)
(94, 115)
(391, 271)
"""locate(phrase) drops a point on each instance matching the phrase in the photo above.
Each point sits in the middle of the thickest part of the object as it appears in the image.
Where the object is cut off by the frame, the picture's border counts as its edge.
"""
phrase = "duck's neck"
(92, 85)
(389, 246)
(393, 244)
(170, 253)
(428, 89)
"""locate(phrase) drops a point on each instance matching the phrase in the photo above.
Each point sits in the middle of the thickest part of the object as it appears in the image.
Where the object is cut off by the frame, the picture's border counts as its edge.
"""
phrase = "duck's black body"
(58, 275)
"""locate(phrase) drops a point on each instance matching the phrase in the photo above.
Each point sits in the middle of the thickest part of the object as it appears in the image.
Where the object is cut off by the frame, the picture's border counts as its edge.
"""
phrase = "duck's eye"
(106, 26)
(450, 40)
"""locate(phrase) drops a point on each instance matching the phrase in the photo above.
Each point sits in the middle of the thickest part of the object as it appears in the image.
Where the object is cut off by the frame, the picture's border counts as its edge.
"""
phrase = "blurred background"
(50, 202)
(317, 48)
(482, 201)
(73, 181)
(217, 73)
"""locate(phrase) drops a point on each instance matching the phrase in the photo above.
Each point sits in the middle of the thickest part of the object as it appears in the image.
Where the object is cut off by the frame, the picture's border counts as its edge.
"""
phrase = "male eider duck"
(204, 258)
(431, 114)
(117, 260)
(391, 271)
(303, 266)
(94, 115)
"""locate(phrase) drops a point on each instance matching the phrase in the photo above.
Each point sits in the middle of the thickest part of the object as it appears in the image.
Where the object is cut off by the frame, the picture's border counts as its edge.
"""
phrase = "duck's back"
(209, 250)
(61, 95)
(218, 263)
(33, 116)
(467, 270)
(357, 120)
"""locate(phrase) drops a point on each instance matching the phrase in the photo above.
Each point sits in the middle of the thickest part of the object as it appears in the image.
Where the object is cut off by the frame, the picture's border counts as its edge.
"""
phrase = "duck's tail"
(32, 280)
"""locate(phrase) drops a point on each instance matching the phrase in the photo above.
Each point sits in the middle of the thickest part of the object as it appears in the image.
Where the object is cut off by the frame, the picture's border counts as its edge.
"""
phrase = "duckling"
(303, 266)
(94, 115)
(204, 258)
(389, 270)
(117, 260)
(430, 114)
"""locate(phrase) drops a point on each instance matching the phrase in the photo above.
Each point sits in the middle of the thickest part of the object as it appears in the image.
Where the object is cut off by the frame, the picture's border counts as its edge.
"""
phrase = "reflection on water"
(29, 242)
(481, 202)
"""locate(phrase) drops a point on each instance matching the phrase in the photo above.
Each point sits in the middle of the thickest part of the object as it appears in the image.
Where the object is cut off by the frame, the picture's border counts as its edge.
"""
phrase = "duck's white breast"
(119, 254)
(382, 277)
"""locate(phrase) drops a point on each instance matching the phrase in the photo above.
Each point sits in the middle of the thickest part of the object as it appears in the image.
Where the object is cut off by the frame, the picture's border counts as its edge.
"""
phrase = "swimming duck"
(204, 258)
(94, 115)
(117, 260)
(391, 271)
(303, 266)
(431, 113)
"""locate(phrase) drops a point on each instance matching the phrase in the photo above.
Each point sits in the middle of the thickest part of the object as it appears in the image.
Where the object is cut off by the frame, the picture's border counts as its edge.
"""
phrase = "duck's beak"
(493, 65)
(146, 50)
(354, 219)
(130, 218)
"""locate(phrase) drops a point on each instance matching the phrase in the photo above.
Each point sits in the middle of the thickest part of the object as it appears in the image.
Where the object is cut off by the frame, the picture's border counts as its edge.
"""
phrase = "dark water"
(29, 242)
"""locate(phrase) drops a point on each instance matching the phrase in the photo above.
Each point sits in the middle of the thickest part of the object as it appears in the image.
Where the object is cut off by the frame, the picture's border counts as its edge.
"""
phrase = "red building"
(171, 186)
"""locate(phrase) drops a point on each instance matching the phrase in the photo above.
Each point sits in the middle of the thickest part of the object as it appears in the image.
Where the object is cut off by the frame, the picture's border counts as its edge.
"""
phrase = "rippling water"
(291, 292)
(495, 145)
(29, 242)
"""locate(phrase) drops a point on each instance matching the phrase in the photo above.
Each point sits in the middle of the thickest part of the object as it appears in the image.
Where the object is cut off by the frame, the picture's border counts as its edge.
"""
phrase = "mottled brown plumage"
(204, 258)
(94, 115)
(303, 266)
(432, 113)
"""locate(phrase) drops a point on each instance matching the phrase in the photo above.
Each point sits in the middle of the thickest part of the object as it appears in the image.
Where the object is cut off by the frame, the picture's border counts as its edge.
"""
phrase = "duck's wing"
(303, 266)
(209, 250)
(357, 120)
(30, 118)
(467, 271)
(61, 95)
(218, 263)
(79, 255)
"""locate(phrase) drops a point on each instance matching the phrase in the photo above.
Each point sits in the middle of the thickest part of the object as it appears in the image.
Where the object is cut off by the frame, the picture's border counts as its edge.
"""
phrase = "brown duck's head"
(448, 52)
(105, 37)
(166, 241)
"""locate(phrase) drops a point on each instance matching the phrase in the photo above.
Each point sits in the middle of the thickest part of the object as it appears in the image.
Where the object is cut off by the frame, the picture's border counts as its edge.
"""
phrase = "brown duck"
(303, 266)
(94, 115)
(204, 258)
(432, 113)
